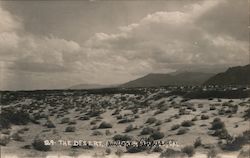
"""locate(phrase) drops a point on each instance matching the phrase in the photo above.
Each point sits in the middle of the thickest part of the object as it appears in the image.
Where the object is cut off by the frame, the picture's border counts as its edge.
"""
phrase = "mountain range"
(156, 80)
(239, 75)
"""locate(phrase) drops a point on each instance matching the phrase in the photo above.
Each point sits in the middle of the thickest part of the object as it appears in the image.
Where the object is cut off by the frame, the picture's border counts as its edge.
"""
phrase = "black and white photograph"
(124, 79)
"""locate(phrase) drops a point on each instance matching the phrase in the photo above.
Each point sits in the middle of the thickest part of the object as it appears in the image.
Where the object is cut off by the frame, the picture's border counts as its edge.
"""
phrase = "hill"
(239, 75)
(156, 80)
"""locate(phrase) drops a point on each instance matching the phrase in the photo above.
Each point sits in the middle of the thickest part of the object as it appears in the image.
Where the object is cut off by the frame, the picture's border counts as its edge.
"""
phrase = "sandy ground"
(235, 124)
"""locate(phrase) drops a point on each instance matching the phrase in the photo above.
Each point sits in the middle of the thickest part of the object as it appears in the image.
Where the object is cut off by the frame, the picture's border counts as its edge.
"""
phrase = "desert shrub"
(70, 129)
(129, 128)
(122, 138)
(194, 119)
(136, 149)
(204, 117)
(197, 142)
(187, 123)
(238, 142)
(217, 124)
(38, 144)
(4, 140)
(104, 125)
(97, 133)
(147, 130)
(65, 120)
(182, 131)
(126, 120)
(157, 149)
(212, 153)
(108, 151)
(168, 120)
(222, 133)
(72, 122)
(119, 152)
(83, 118)
(158, 123)
(176, 126)
(107, 132)
(119, 117)
(151, 120)
(170, 153)
(4, 123)
(11, 116)
(50, 124)
(189, 150)
(244, 154)
(157, 135)
(17, 137)
(212, 107)
(247, 114)
(5, 131)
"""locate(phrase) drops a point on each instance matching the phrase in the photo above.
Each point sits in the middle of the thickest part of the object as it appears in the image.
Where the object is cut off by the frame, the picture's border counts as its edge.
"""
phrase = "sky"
(57, 44)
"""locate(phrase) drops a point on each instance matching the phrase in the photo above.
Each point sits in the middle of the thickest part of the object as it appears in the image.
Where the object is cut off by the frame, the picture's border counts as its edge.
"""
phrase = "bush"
(182, 131)
(129, 128)
(4, 140)
(38, 144)
(65, 120)
(70, 129)
(122, 138)
(108, 151)
(158, 123)
(212, 153)
(238, 142)
(187, 123)
(17, 137)
(217, 124)
(126, 120)
(204, 117)
(151, 120)
(170, 153)
(189, 150)
(17, 117)
(197, 142)
(97, 133)
(147, 130)
(104, 125)
(222, 133)
(247, 114)
(157, 135)
(83, 118)
(136, 149)
(174, 127)
(50, 124)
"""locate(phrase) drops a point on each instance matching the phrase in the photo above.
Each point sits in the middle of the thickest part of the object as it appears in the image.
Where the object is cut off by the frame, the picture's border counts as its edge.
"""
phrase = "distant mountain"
(239, 75)
(89, 86)
(156, 80)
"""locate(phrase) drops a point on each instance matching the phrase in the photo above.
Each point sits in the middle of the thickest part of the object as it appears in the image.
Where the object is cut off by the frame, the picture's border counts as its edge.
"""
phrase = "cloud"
(175, 38)
(204, 33)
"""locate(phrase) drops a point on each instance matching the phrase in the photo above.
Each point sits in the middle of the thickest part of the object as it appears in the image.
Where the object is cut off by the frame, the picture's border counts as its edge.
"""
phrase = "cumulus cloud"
(170, 38)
